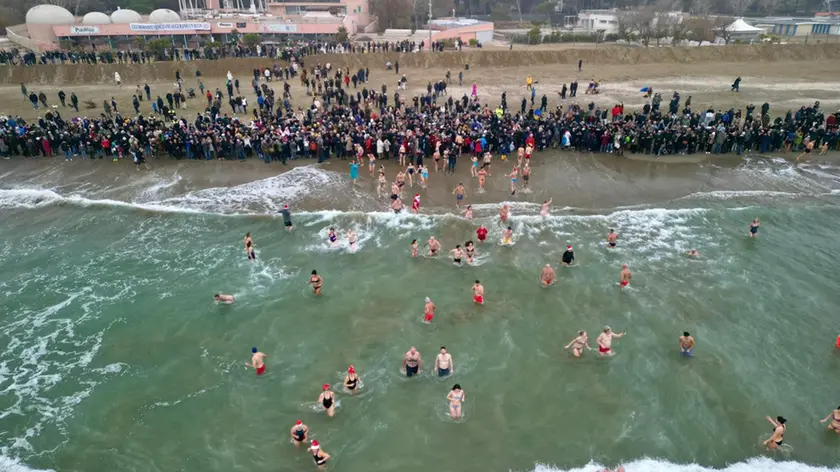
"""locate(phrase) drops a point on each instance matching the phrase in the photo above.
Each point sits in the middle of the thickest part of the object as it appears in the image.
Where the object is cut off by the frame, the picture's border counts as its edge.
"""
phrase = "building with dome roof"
(164, 15)
(125, 16)
(41, 19)
(96, 18)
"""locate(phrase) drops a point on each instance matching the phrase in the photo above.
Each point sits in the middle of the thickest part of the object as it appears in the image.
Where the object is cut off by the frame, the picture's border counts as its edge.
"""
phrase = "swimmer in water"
(247, 241)
(351, 238)
(429, 311)
(605, 340)
(834, 416)
(544, 209)
(568, 256)
(457, 254)
(332, 237)
(455, 398)
(317, 282)
(287, 218)
(396, 204)
(415, 204)
(327, 400)
(257, 361)
(469, 249)
(222, 298)
(468, 213)
(504, 213)
(249, 250)
(547, 276)
(512, 176)
(434, 246)
(318, 455)
(412, 362)
(478, 293)
(778, 436)
(351, 380)
(413, 248)
(612, 237)
(507, 236)
(444, 364)
(686, 345)
(754, 228)
(578, 344)
(619, 469)
(460, 193)
(693, 253)
(481, 233)
(299, 432)
(626, 275)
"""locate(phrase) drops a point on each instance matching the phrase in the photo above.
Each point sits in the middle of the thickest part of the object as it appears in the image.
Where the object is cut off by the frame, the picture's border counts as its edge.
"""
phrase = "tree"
(679, 30)
(158, 46)
(721, 24)
(392, 13)
(534, 35)
(341, 35)
(700, 29)
(251, 39)
(663, 27)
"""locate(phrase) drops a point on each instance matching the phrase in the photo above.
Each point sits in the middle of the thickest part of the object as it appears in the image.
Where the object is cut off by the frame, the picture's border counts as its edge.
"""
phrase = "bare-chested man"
(548, 276)
(578, 344)
(605, 340)
(626, 275)
(612, 237)
(460, 192)
(443, 363)
(396, 204)
(400, 181)
(686, 345)
(412, 363)
(504, 213)
(544, 209)
(478, 293)
(257, 361)
(395, 191)
(457, 255)
(429, 311)
(223, 298)
(434, 246)
(693, 253)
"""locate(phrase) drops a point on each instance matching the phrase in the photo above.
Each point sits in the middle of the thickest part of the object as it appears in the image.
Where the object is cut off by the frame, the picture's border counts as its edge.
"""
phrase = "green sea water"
(115, 358)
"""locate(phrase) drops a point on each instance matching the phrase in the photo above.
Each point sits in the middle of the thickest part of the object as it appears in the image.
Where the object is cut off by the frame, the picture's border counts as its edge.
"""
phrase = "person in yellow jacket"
(529, 81)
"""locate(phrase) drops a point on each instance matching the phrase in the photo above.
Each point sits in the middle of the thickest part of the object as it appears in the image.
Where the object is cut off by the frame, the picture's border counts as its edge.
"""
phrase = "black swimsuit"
(327, 402)
(319, 460)
(300, 435)
(351, 384)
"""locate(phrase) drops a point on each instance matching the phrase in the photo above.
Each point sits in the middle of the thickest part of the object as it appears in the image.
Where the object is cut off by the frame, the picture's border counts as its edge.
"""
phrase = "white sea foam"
(757, 464)
(8, 464)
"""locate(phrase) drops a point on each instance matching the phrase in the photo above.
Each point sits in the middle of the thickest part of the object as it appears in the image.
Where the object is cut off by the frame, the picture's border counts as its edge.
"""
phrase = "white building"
(591, 21)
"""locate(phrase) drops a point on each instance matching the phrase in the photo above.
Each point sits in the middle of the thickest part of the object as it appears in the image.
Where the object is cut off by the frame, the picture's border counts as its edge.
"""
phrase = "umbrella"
(644, 89)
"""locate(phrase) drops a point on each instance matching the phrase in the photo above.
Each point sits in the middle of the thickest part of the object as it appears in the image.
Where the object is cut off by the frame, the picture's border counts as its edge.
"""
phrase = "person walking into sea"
(415, 204)
(686, 345)
(410, 169)
(512, 175)
(248, 245)
(457, 255)
(444, 365)
(507, 236)
(626, 275)
(317, 282)
(605, 340)
(287, 218)
(504, 213)
(455, 398)
(327, 400)
(414, 248)
(354, 171)
(754, 225)
(351, 380)
(428, 311)
(299, 432)
(412, 363)
(568, 256)
(544, 209)
(352, 239)
(578, 344)
(547, 276)
(433, 245)
(481, 233)
(467, 213)
(469, 249)
(478, 293)
(612, 239)
(257, 361)
(482, 179)
(834, 424)
(318, 455)
(459, 193)
(778, 436)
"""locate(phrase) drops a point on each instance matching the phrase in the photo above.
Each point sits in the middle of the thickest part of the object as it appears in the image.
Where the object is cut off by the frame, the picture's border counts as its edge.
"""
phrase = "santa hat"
(568, 248)
(315, 444)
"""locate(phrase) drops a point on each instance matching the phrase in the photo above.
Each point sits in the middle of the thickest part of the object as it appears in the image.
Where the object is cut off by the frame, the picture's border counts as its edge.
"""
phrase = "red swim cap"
(298, 423)
(351, 369)
(326, 386)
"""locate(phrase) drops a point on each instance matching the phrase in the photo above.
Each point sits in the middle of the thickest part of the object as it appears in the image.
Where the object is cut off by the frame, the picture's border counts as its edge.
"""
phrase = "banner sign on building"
(150, 27)
(280, 28)
(84, 30)
(224, 25)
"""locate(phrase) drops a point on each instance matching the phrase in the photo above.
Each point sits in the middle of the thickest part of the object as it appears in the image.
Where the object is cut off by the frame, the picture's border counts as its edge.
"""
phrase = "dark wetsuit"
(568, 257)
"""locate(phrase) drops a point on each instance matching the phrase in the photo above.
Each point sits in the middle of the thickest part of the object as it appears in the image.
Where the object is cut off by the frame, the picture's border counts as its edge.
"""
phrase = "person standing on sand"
(580, 65)
(578, 344)
(512, 175)
(526, 176)
(117, 79)
(257, 361)
(459, 193)
(605, 341)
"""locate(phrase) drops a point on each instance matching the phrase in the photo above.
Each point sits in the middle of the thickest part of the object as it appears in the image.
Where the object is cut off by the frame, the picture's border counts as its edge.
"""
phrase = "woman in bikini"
(351, 380)
(468, 212)
(578, 344)
(327, 400)
(469, 249)
(410, 169)
(351, 237)
(414, 247)
(834, 416)
(778, 436)
(316, 281)
(455, 398)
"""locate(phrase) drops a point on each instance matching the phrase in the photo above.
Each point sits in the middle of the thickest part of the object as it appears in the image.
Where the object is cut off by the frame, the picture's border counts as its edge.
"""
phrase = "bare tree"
(627, 27)
(700, 29)
(662, 26)
(721, 25)
(645, 19)
(679, 30)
